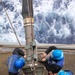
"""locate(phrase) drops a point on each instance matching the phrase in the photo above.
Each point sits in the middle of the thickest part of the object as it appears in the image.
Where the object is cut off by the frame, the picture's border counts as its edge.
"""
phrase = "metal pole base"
(30, 71)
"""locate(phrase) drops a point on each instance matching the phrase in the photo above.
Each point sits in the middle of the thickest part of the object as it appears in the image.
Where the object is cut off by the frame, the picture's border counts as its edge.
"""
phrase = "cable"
(29, 3)
(11, 24)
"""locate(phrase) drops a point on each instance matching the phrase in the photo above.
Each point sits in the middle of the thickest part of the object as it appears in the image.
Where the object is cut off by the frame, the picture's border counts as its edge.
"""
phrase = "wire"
(29, 3)
(11, 24)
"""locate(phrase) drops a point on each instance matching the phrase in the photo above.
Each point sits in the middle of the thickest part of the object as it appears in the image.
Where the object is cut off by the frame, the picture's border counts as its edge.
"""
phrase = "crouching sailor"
(55, 61)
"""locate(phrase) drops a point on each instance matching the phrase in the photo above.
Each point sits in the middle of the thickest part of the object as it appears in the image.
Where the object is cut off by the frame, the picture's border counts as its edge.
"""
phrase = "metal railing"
(8, 47)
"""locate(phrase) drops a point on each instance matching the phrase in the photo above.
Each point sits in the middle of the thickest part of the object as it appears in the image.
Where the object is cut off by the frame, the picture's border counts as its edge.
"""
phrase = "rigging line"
(28, 8)
(30, 15)
(31, 21)
(11, 24)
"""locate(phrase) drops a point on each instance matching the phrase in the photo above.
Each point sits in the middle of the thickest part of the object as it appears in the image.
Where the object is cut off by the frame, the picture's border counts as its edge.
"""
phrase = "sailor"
(55, 61)
(15, 62)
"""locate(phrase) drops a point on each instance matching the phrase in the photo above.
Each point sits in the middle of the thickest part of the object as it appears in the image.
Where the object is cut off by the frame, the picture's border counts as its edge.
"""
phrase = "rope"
(28, 7)
(30, 15)
(11, 24)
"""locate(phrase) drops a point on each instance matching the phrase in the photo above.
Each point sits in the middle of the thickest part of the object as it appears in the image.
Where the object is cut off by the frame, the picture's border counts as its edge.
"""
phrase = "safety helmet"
(20, 63)
(62, 72)
(57, 54)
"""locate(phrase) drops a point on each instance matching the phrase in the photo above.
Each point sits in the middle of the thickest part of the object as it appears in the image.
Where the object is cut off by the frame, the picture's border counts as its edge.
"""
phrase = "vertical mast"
(27, 12)
(27, 8)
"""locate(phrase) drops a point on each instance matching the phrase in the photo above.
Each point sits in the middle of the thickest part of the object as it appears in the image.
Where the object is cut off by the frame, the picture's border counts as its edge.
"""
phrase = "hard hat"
(20, 63)
(57, 54)
(62, 72)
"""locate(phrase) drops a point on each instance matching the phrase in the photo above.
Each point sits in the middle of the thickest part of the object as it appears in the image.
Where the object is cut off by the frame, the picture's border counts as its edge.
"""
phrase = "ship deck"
(69, 63)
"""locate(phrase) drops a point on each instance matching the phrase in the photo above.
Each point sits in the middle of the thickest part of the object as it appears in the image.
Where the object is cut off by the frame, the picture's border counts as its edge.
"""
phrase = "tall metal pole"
(27, 12)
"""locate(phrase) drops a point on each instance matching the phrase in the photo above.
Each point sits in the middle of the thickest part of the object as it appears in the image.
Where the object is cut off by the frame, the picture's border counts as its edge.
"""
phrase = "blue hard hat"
(62, 72)
(20, 63)
(57, 54)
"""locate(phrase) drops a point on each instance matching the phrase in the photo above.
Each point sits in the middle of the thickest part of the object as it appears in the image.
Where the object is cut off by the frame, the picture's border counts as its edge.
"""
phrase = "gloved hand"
(50, 73)
(42, 57)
